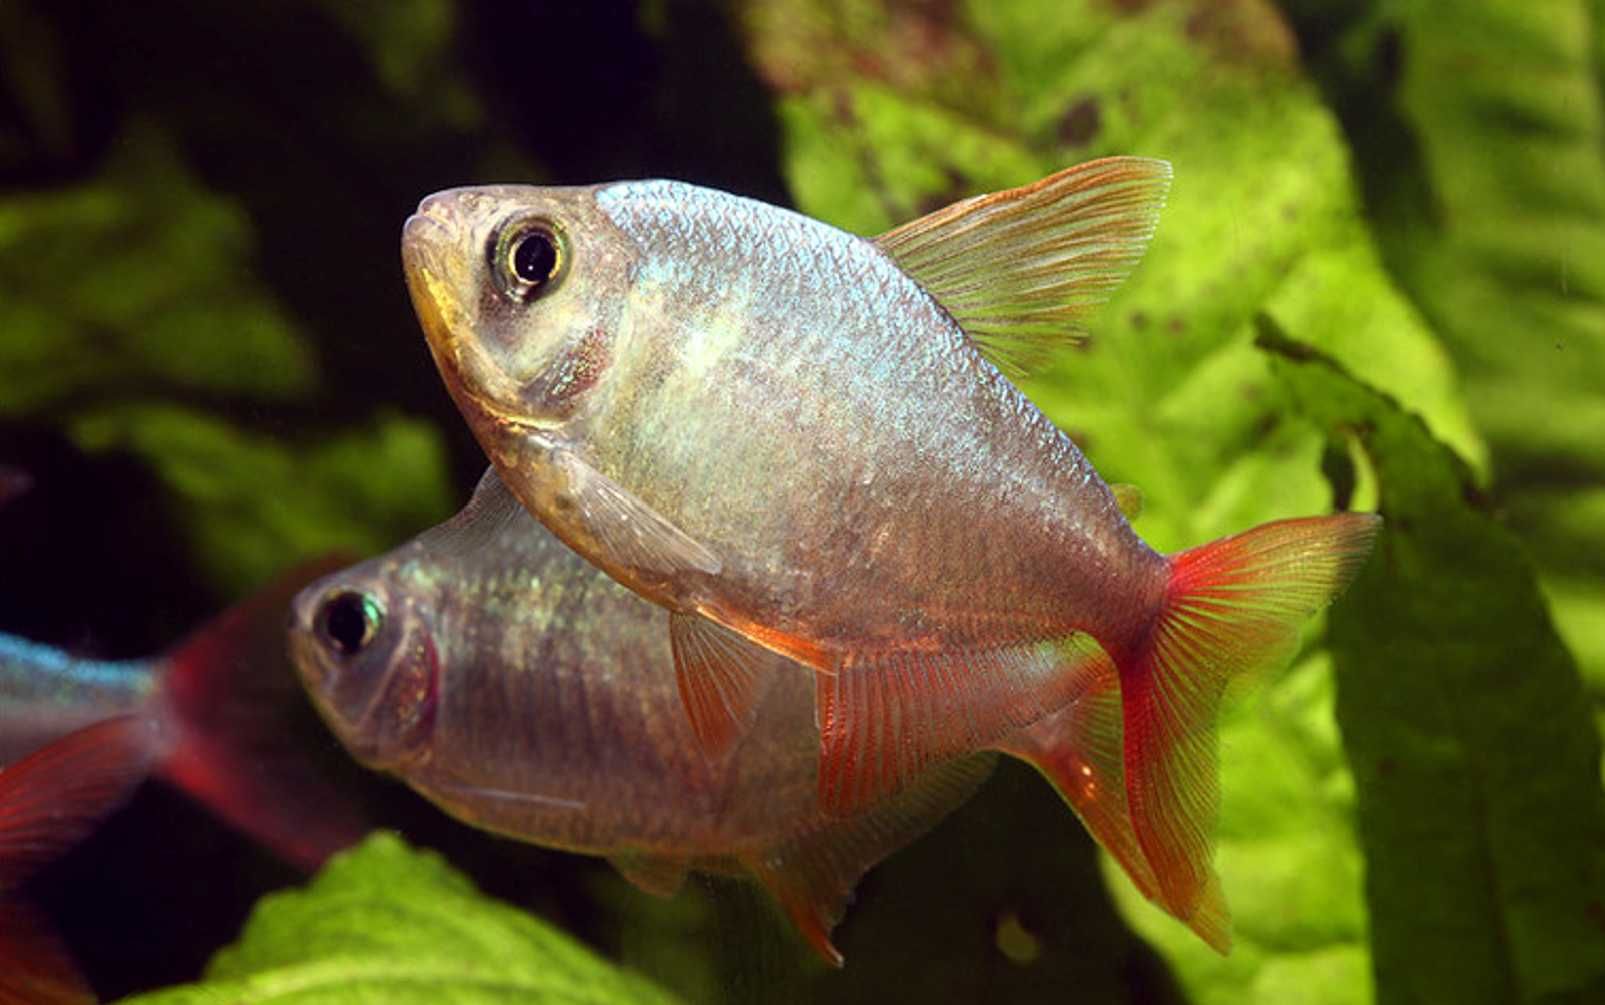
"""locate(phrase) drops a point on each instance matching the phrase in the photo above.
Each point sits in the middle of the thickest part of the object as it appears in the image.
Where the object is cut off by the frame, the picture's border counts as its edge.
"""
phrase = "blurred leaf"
(255, 503)
(1479, 805)
(410, 44)
(1482, 145)
(139, 279)
(384, 923)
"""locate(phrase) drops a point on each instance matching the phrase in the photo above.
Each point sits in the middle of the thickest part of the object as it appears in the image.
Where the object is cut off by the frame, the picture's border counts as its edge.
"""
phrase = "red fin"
(247, 743)
(722, 679)
(883, 722)
(812, 875)
(35, 968)
(1079, 750)
(1232, 606)
(51, 799)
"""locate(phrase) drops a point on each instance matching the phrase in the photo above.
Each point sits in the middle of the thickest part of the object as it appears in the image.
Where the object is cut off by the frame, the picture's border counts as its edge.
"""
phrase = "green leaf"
(384, 923)
(139, 279)
(254, 503)
(1482, 147)
(1463, 716)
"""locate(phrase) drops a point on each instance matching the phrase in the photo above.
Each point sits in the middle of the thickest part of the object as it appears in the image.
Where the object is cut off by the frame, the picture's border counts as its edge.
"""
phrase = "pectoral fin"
(633, 534)
(722, 678)
(812, 874)
(661, 876)
(1021, 270)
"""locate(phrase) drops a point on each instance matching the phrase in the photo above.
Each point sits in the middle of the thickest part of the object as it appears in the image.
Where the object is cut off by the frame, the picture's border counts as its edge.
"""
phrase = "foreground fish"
(49, 801)
(215, 709)
(769, 425)
(527, 693)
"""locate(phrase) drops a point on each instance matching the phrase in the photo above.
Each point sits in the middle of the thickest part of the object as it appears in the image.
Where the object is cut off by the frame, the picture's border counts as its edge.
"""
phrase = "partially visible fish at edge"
(49, 801)
(217, 709)
(800, 441)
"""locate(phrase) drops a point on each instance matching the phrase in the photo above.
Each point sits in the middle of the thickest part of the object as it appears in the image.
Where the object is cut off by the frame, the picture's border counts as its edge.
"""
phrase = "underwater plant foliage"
(383, 922)
(1482, 837)
(200, 287)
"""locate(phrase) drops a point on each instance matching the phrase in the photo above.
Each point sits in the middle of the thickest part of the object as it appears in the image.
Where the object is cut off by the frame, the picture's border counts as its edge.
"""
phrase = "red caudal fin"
(248, 746)
(49, 801)
(1232, 606)
(1079, 750)
(55, 796)
(35, 968)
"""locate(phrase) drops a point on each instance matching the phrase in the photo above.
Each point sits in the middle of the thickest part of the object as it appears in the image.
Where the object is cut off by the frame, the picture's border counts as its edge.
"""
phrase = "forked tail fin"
(247, 744)
(49, 801)
(1232, 606)
(1078, 749)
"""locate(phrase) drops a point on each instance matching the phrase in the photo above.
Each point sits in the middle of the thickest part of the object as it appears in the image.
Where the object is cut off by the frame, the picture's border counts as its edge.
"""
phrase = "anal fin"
(660, 875)
(812, 874)
(883, 721)
(722, 678)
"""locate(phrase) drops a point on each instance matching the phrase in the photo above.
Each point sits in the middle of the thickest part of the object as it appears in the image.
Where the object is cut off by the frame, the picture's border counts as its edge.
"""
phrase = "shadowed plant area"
(1378, 283)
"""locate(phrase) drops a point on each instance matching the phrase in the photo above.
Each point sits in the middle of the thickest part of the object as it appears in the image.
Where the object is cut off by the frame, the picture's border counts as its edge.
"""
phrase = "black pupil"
(346, 623)
(535, 257)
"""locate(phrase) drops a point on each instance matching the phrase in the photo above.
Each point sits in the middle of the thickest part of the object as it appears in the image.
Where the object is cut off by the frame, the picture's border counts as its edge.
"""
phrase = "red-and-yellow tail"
(1232, 606)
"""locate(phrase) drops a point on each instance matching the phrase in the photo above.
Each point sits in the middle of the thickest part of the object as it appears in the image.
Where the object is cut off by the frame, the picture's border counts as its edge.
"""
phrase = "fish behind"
(525, 693)
(801, 441)
(217, 707)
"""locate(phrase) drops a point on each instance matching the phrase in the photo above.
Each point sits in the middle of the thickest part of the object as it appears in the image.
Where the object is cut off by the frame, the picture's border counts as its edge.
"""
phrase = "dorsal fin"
(812, 874)
(1020, 270)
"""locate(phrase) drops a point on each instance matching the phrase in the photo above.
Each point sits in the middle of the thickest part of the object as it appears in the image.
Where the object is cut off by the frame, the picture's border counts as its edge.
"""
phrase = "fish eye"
(528, 257)
(349, 621)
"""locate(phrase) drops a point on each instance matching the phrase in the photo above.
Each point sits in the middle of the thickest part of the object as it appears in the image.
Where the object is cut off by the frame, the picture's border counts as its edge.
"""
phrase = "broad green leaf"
(384, 923)
(1481, 140)
(1463, 717)
(254, 503)
(138, 279)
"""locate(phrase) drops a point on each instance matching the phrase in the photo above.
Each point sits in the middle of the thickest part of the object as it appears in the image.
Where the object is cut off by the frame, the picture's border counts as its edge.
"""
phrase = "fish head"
(368, 659)
(520, 291)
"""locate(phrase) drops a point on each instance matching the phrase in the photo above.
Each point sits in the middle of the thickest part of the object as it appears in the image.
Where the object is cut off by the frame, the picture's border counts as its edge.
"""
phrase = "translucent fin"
(247, 743)
(1079, 750)
(1232, 606)
(35, 968)
(633, 533)
(882, 722)
(661, 876)
(1129, 499)
(812, 874)
(722, 677)
(53, 798)
(1021, 270)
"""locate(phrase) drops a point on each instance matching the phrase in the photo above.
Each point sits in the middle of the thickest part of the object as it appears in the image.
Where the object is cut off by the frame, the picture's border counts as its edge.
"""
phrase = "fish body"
(48, 693)
(213, 716)
(526, 693)
(791, 435)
